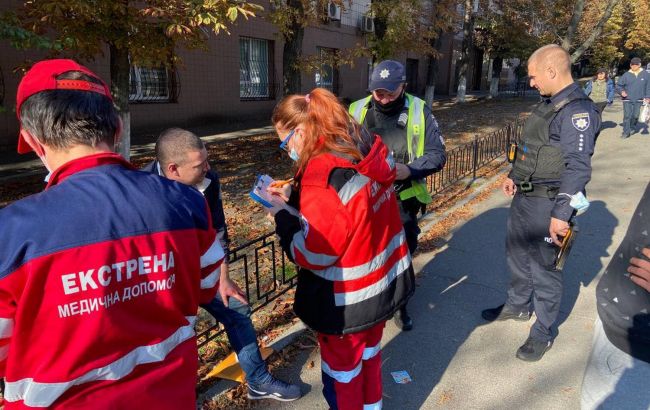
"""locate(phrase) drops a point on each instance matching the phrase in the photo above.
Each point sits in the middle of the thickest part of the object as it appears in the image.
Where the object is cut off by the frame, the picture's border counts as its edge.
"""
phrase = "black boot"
(533, 350)
(403, 320)
(504, 312)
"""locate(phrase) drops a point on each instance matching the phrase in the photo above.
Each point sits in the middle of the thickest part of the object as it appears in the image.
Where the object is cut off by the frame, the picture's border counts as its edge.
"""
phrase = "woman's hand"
(283, 191)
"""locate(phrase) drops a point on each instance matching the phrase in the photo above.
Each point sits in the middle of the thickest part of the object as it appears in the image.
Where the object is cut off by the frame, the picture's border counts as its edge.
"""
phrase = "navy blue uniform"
(573, 124)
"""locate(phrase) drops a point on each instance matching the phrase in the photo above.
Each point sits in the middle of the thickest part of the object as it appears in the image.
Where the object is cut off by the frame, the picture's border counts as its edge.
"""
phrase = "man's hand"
(623, 94)
(509, 188)
(402, 171)
(558, 228)
(640, 270)
(646, 100)
(229, 288)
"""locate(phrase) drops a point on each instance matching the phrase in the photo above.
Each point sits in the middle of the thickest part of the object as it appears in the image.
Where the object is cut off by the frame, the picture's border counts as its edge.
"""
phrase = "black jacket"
(623, 306)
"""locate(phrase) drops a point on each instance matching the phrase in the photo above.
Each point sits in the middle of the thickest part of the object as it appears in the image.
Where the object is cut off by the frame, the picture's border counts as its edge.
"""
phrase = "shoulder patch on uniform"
(580, 121)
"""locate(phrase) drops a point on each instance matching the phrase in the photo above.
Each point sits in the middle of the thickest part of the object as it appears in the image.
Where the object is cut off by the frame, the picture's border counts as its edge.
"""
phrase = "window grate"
(256, 69)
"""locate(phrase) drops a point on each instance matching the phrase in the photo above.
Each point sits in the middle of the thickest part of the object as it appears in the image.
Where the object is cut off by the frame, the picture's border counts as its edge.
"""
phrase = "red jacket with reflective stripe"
(351, 245)
(101, 276)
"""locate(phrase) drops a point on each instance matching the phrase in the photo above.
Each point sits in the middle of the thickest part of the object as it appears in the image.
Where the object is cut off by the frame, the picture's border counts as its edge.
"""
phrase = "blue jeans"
(631, 111)
(613, 379)
(241, 335)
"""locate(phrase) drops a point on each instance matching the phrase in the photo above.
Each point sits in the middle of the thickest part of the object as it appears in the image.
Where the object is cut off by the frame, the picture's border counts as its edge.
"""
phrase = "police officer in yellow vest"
(409, 129)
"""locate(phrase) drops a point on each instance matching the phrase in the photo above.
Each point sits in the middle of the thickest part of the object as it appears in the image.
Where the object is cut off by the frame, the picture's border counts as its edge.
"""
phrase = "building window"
(327, 75)
(255, 69)
(151, 85)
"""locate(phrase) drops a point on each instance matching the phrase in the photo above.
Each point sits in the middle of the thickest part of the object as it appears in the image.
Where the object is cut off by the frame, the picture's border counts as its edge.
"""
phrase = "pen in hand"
(281, 183)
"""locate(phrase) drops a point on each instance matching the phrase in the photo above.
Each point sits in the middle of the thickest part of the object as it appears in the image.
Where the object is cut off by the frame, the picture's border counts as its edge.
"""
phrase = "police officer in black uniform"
(409, 129)
(547, 182)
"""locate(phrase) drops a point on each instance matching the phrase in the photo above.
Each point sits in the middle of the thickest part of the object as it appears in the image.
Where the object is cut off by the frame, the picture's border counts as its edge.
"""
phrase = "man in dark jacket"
(634, 87)
(547, 183)
(618, 370)
(181, 156)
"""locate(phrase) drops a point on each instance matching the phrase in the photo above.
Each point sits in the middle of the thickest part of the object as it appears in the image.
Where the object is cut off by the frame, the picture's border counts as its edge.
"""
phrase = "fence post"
(475, 157)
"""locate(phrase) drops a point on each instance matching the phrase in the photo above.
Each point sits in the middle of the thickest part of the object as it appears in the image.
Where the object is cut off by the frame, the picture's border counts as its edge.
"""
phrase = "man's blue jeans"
(631, 111)
(241, 334)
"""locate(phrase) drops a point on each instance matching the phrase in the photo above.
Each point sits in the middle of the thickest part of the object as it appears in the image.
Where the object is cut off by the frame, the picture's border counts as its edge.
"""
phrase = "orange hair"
(328, 126)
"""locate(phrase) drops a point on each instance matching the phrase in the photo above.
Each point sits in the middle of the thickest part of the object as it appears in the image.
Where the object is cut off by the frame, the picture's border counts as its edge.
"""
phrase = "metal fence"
(520, 88)
(267, 274)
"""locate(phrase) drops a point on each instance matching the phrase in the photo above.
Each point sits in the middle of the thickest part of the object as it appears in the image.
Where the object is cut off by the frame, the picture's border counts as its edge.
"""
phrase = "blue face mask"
(293, 155)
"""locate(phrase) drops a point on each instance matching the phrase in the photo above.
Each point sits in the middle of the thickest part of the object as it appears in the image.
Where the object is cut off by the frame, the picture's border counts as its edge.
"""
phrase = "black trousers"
(408, 211)
(530, 255)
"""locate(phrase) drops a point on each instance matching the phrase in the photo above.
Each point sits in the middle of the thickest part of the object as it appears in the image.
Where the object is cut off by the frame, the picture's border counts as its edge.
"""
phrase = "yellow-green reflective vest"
(414, 137)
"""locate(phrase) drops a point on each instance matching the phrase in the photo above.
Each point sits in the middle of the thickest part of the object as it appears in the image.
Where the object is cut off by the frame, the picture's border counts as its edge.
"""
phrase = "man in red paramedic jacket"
(102, 273)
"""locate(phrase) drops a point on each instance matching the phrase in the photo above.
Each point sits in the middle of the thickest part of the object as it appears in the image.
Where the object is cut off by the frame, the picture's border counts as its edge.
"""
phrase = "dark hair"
(601, 70)
(65, 118)
(174, 143)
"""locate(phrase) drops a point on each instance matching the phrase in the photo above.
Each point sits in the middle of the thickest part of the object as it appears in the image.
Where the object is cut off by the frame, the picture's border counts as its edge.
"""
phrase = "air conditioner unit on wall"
(333, 11)
(367, 24)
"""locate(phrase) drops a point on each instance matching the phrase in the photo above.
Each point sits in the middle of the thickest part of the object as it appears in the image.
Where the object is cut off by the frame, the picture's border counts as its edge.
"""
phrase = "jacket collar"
(87, 162)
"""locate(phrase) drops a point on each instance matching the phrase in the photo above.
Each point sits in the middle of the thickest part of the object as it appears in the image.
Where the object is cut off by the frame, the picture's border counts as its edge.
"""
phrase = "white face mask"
(49, 171)
(294, 155)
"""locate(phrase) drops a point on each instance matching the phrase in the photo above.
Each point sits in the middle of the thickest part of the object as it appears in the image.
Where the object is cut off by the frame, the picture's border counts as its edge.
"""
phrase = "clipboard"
(259, 192)
(564, 250)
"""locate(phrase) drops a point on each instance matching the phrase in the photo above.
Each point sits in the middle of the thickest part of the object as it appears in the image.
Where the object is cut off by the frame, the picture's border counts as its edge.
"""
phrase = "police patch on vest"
(304, 224)
(580, 121)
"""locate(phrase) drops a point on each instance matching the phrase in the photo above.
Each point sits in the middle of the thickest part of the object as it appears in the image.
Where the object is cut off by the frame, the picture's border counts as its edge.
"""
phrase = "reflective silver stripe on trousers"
(212, 255)
(370, 352)
(317, 259)
(336, 273)
(373, 406)
(349, 298)
(341, 376)
(6, 328)
(37, 394)
(352, 187)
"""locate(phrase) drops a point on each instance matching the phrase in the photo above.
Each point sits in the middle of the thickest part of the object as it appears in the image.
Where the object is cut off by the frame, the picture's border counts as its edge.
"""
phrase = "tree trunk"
(292, 52)
(497, 65)
(578, 8)
(119, 61)
(595, 33)
(463, 64)
(432, 72)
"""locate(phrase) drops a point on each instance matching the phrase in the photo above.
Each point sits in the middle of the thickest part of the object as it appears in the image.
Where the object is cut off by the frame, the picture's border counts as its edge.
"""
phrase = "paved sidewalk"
(456, 360)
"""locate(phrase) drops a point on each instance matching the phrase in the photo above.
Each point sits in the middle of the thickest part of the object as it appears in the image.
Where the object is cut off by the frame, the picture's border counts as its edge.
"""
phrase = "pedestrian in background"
(634, 87)
(341, 226)
(601, 90)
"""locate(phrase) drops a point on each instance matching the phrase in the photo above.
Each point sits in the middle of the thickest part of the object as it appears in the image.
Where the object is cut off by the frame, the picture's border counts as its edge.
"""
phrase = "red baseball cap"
(42, 77)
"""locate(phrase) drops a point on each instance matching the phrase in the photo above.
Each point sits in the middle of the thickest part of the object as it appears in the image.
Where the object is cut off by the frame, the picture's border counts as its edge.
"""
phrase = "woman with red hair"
(341, 226)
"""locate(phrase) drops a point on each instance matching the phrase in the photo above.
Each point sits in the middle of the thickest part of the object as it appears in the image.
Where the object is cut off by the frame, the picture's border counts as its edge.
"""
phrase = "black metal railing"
(265, 272)
(521, 88)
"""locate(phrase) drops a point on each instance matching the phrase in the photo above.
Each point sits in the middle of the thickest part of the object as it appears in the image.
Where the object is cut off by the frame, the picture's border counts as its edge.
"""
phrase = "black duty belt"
(542, 191)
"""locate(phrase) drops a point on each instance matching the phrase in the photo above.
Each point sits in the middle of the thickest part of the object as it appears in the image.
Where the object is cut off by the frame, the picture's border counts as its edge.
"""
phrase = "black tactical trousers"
(408, 210)
(530, 255)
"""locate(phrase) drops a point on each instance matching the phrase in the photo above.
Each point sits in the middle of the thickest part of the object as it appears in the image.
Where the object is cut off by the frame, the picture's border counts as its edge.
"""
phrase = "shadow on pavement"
(467, 276)
(596, 231)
